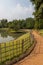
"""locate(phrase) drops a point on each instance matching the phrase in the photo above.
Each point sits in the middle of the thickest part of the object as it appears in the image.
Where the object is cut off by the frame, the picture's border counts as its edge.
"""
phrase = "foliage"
(41, 32)
(30, 23)
(18, 24)
(38, 13)
(3, 23)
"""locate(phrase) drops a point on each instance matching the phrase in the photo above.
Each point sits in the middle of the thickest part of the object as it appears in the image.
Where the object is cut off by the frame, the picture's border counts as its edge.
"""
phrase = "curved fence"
(13, 50)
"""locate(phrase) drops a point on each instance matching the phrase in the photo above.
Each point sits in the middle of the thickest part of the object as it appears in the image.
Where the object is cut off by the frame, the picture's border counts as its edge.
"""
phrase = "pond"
(7, 36)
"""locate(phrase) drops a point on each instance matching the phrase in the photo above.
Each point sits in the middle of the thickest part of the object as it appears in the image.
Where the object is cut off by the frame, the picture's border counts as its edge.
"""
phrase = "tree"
(10, 25)
(16, 25)
(30, 23)
(38, 10)
(4, 23)
(22, 24)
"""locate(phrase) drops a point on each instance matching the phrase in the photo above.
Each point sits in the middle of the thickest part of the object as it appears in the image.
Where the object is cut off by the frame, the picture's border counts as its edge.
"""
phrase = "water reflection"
(7, 36)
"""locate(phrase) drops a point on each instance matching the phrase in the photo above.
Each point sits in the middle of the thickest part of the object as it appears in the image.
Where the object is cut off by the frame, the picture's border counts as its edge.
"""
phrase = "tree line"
(28, 23)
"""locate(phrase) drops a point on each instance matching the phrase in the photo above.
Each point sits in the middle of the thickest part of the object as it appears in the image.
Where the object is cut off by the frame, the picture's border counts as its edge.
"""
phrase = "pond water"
(5, 36)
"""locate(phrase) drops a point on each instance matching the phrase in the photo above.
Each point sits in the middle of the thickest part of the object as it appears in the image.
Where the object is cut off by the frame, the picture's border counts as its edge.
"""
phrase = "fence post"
(4, 52)
(13, 48)
(1, 53)
(22, 45)
(31, 36)
(19, 46)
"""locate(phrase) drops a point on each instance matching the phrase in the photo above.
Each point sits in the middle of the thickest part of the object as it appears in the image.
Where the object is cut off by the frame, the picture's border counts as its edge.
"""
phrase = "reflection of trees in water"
(4, 34)
(14, 35)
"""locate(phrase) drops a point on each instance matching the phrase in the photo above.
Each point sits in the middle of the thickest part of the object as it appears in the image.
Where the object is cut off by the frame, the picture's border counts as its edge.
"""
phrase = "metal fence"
(12, 50)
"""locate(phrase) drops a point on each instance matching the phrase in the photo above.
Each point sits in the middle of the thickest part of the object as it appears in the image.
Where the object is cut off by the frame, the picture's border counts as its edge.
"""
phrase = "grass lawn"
(41, 32)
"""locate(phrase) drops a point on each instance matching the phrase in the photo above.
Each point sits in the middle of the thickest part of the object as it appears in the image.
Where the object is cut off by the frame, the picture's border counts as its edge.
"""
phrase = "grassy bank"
(41, 32)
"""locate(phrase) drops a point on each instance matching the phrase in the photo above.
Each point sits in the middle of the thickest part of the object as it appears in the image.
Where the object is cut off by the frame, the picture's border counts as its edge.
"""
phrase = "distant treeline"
(28, 23)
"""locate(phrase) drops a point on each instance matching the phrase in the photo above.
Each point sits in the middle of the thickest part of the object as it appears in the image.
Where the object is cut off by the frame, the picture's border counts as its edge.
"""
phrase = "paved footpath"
(36, 57)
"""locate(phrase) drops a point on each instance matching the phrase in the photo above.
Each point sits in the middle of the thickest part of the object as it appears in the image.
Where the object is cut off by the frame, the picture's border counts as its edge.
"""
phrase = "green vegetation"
(17, 24)
(28, 23)
(41, 32)
(38, 13)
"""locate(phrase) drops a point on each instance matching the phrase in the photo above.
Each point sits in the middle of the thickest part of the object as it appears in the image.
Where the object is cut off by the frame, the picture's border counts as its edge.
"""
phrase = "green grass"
(13, 49)
(41, 32)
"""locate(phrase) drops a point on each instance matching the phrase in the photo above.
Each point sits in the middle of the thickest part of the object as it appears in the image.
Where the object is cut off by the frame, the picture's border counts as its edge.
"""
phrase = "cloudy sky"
(16, 9)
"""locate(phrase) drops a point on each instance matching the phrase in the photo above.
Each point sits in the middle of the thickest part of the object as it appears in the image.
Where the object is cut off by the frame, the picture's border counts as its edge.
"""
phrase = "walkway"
(36, 57)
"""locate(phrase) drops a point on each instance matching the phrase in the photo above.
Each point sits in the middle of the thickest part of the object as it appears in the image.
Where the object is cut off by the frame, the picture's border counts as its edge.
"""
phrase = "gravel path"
(36, 57)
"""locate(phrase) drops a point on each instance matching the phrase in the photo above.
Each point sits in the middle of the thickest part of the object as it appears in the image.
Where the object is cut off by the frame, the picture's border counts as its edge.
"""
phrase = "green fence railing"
(12, 50)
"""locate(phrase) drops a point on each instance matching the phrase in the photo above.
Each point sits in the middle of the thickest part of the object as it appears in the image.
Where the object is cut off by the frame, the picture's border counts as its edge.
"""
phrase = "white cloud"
(16, 12)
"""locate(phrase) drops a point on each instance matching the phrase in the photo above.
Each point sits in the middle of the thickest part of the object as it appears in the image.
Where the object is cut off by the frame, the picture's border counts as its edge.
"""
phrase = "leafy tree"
(10, 25)
(38, 11)
(16, 25)
(4, 23)
(30, 23)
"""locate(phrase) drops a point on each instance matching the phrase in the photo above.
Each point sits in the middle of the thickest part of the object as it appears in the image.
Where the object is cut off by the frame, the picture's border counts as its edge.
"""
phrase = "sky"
(16, 9)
